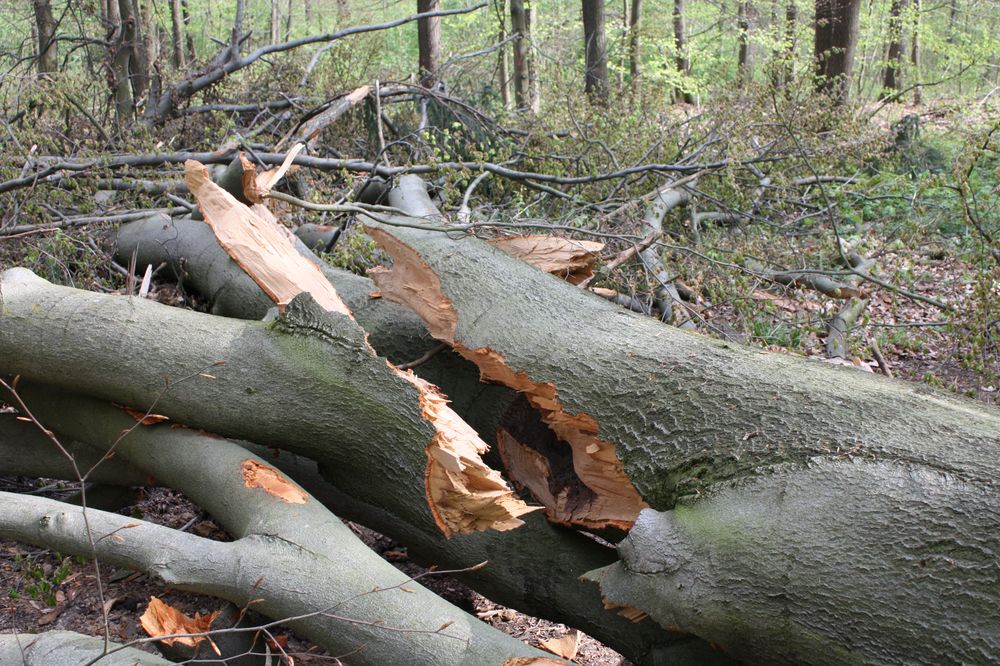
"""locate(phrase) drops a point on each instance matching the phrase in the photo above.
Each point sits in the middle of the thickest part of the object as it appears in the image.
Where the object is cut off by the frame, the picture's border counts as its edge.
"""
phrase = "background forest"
(816, 178)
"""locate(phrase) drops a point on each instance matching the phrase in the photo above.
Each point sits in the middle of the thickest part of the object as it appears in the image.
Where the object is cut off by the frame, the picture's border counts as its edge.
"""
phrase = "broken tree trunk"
(307, 381)
(191, 250)
(630, 414)
(522, 573)
(291, 557)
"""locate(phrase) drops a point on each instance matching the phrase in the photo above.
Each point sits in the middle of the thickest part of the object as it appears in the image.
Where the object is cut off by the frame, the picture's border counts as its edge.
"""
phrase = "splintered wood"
(258, 246)
(567, 258)
(463, 493)
(609, 499)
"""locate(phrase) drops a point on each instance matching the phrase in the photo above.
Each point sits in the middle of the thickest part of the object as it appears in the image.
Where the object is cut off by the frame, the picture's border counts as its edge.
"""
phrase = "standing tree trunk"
(45, 27)
(635, 52)
(596, 50)
(177, 24)
(503, 67)
(275, 22)
(743, 60)
(791, 22)
(681, 94)
(894, 60)
(524, 70)
(192, 54)
(915, 54)
(150, 38)
(429, 35)
(835, 43)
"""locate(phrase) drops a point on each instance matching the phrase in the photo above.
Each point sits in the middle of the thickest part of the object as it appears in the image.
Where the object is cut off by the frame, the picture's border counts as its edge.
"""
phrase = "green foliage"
(40, 579)
(355, 252)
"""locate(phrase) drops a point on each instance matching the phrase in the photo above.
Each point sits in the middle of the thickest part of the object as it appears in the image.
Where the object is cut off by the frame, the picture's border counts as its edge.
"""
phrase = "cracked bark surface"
(801, 449)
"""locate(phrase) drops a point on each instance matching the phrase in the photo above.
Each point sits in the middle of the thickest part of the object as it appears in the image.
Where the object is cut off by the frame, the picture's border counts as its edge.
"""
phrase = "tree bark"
(635, 52)
(45, 29)
(520, 576)
(915, 54)
(524, 73)
(681, 92)
(275, 23)
(429, 37)
(313, 355)
(743, 73)
(791, 23)
(713, 437)
(834, 45)
(503, 67)
(68, 648)
(290, 556)
(130, 63)
(596, 51)
(894, 59)
(177, 25)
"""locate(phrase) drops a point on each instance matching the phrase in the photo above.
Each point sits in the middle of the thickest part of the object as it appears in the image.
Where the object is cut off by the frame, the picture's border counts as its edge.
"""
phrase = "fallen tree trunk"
(522, 575)
(630, 414)
(239, 379)
(68, 648)
(67, 330)
(191, 250)
(292, 560)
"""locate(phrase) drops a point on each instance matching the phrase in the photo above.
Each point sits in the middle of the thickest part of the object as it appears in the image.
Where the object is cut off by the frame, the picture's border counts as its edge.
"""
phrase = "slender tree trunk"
(177, 25)
(45, 30)
(275, 23)
(189, 38)
(429, 35)
(503, 72)
(120, 59)
(524, 86)
(536, 83)
(288, 21)
(150, 38)
(681, 94)
(503, 65)
(952, 20)
(743, 60)
(596, 50)
(894, 59)
(634, 45)
(791, 23)
(915, 54)
(835, 44)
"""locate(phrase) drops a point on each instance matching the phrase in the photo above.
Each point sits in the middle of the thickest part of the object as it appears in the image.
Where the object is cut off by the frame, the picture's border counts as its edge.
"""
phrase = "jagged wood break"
(597, 493)
(463, 493)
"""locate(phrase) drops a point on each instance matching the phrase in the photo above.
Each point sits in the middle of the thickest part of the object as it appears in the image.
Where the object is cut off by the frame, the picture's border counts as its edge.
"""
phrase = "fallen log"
(522, 573)
(68, 648)
(291, 560)
(630, 414)
(239, 379)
